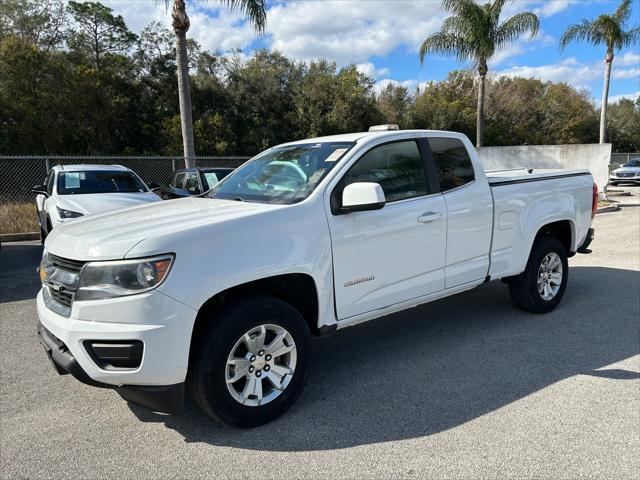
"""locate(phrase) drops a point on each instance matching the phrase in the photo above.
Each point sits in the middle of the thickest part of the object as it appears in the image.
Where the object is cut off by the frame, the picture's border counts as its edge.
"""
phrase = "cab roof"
(365, 136)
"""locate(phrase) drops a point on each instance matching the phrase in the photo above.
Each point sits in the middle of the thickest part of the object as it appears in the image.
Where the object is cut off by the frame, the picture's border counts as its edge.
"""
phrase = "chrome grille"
(60, 291)
(63, 298)
(67, 264)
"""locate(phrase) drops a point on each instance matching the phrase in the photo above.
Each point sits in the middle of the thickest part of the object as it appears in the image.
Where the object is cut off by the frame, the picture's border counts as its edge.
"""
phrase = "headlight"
(64, 214)
(100, 280)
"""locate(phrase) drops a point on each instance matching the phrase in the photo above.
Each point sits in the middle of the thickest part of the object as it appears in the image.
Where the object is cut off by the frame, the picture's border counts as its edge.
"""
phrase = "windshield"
(99, 181)
(632, 163)
(282, 175)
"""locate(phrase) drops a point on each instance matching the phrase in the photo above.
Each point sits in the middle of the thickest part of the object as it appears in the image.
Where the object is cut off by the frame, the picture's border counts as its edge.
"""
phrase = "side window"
(50, 179)
(452, 162)
(178, 180)
(191, 184)
(397, 167)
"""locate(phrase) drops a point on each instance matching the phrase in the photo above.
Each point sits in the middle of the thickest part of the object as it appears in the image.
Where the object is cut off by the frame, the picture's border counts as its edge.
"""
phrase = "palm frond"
(578, 32)
(630, 37)
(447, 43)
(623, 12)
(496, 9)
(254, 10)
(515, 27)
(458, 6)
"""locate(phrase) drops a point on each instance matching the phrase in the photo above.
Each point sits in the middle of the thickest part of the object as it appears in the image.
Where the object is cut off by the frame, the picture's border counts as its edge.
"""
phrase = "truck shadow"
(440, 365)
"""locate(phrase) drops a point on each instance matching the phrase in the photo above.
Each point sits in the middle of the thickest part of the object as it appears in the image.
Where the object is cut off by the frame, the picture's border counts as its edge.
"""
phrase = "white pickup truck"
(222, 294)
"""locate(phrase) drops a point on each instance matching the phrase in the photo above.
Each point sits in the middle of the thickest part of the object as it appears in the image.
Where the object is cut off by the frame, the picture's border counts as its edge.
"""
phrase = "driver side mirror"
(154, 187)
(362, 196)
(41, 190)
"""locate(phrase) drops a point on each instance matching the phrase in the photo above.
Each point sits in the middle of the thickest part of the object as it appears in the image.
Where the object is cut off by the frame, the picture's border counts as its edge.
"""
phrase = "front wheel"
(251, 363)
(541, 286)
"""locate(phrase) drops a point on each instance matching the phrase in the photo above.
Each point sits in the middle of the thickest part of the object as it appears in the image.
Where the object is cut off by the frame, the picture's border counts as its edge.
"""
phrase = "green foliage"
(54, 100)
(394, 102)
(624, 125)
(99, 33)
(39, 21)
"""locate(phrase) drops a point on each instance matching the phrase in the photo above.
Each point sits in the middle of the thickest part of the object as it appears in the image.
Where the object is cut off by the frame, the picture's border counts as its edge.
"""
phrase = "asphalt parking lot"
(466, 387)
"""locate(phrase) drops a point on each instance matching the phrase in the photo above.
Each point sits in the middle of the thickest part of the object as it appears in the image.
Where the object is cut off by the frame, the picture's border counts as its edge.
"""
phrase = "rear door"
(387, 256)
(469, 208)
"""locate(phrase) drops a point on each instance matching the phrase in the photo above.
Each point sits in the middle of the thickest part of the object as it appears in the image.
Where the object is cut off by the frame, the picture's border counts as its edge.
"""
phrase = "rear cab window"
(452, 162)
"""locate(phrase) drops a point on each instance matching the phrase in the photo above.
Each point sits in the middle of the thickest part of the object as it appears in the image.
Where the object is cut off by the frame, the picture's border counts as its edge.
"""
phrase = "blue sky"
(382, 37)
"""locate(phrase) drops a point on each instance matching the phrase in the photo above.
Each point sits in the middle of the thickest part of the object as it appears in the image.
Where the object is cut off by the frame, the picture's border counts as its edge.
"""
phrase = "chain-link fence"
(19, 173)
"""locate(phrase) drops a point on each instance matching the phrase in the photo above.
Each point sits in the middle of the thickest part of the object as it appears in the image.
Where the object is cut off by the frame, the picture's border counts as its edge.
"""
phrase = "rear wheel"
(251, 362)
(541, 286)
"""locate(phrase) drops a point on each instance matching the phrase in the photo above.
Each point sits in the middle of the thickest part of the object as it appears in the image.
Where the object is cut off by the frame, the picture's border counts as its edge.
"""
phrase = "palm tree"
(474, 33)
(254, 10)
(606, 30)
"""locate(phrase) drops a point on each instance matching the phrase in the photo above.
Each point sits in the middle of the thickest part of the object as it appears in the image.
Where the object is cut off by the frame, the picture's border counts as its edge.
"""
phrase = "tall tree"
(609, 30)
(39, 21)
(475, 33)
(100, 32)
(254, 10)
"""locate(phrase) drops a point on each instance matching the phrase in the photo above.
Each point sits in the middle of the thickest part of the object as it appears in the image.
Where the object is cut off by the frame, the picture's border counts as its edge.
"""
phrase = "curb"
(18, 237)
(612, 208)
(629, 204)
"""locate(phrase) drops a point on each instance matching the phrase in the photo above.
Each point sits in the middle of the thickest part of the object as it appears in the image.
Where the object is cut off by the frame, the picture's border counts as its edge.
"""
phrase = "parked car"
(627, 173)
(221, 295)
(73, 191)
(192, 181)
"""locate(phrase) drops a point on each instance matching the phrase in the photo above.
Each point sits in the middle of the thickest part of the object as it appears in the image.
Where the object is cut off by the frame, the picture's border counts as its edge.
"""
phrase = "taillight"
(594, 201)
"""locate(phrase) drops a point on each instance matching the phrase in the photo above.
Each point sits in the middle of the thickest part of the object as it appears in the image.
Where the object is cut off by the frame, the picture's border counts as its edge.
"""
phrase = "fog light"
(115, 354)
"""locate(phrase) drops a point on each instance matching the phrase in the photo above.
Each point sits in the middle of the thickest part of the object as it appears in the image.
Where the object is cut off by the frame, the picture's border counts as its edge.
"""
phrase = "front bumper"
(624, 180)
(162, 324)
(165, 398)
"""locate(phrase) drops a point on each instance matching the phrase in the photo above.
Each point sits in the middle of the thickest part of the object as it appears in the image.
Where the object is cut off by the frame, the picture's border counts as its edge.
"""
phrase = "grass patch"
(18, 217)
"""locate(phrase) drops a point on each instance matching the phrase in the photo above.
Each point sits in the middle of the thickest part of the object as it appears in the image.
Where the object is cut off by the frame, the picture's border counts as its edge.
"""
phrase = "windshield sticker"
(212, 178)
(335, 155)
(72, 180)
(83, 175)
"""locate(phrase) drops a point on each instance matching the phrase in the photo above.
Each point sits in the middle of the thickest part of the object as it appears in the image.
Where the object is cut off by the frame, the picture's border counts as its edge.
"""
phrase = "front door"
(387, 256)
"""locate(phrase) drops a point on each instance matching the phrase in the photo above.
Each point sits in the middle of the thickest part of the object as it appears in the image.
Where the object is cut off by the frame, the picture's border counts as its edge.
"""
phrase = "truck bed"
(523, 175)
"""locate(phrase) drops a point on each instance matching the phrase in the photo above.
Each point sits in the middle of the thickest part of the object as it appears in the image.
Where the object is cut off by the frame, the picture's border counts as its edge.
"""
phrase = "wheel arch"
(297, 289)
(562, 230)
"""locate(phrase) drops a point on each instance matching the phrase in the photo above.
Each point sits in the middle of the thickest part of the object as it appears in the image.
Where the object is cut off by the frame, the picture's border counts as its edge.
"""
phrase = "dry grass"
(18, 217)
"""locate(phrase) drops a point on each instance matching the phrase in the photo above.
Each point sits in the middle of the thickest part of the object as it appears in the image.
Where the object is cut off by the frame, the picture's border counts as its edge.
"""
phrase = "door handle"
(428, 217)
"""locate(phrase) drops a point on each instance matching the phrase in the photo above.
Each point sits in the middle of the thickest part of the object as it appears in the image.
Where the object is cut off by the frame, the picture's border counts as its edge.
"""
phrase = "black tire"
(524, 288)
(206, 379)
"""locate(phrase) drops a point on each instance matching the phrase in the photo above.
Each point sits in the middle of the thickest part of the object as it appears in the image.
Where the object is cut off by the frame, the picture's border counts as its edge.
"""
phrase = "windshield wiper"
(238, 199)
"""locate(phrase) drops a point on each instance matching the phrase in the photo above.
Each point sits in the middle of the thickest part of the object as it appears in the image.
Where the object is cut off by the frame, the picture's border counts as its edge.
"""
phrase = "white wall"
(594, 157)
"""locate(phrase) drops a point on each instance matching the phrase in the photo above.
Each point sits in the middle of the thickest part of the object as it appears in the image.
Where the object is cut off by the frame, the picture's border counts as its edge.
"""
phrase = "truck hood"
(109, 236)
(88, 204)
